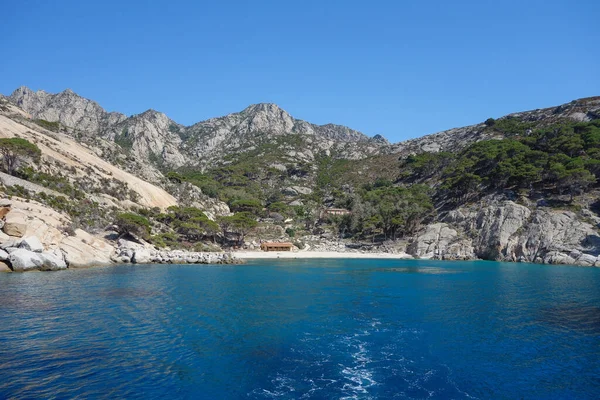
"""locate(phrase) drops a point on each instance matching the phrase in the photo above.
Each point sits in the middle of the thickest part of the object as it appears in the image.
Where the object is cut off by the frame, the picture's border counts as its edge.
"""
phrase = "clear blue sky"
(397, 68)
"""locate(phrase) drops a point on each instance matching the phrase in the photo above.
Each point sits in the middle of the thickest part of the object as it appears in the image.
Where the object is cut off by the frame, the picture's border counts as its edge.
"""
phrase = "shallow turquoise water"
(315, 329)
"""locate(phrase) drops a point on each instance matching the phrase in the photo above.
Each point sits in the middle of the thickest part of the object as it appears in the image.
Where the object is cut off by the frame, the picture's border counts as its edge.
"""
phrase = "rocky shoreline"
(134, 253)
(28, 254)
(33, 237)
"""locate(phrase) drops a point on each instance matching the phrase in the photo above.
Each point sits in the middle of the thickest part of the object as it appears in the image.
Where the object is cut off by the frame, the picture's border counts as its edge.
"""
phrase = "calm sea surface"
(315, 329)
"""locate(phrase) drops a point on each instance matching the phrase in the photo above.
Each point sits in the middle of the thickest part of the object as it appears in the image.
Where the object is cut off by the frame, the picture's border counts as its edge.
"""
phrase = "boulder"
(48, 235)
(3, 255)
(141, 256)
(556, 257)
(25, 260)
(289, 191)
(53, 261)
(85, 250)
(15, 223)
(4, 210)
(4, 237)
(32, 243)
(12, 242)
(586, 260)
(4, 267)
(129, 244)
(278, 167)
(302, 189)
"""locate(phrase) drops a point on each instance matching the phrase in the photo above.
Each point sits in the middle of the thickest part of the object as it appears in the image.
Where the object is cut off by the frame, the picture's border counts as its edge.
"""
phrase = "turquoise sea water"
(314, 329)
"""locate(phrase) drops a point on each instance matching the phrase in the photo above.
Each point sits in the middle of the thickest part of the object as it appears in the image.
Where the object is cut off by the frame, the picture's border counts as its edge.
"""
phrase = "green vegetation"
(387, 210)
(124, 139)
(509, 126)
(208, 185)
(559, 159)
(15, 150)
(251, 206)
(424, 166)
(328, 169)
(239, 224)
(51, 126)
(133, 224)
(59, 183)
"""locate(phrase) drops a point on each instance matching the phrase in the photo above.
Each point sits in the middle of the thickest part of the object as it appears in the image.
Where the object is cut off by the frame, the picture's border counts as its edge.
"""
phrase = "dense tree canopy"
(563, 158)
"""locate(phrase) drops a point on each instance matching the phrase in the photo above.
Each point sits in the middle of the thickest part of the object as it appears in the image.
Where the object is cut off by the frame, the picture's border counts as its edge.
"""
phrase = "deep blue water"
(315, 329)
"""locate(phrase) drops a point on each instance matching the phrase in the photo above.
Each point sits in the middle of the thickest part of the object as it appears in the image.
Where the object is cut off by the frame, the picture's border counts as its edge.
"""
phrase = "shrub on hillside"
(134, 224)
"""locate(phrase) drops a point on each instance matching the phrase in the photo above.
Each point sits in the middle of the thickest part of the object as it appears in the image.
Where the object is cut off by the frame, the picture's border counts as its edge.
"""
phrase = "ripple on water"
(571, 316)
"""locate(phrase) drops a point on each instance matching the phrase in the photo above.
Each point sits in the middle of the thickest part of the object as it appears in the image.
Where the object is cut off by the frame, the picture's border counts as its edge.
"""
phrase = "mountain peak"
(21, 90)
(263, 108)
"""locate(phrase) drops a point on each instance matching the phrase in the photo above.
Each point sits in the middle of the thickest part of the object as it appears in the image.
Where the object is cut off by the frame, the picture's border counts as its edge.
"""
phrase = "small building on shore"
(272, 246)
(334, 211)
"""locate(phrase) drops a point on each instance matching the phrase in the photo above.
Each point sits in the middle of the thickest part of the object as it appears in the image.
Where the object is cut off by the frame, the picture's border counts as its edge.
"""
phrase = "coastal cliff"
(503, 230)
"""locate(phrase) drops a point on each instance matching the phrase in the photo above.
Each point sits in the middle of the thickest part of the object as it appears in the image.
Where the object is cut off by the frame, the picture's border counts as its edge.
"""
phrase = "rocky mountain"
(68, 108)
(153, 138)
(523, 187)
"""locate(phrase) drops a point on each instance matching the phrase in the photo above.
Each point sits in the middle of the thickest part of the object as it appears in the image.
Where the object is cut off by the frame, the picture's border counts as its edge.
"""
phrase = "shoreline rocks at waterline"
(150, 256)
(28, 255)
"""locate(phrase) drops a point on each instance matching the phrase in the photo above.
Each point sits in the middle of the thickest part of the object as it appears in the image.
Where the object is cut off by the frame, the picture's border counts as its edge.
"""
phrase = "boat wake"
(374, 362)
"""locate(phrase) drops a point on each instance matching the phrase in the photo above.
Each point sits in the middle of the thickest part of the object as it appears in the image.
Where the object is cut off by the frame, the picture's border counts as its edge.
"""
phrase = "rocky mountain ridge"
(153, 137)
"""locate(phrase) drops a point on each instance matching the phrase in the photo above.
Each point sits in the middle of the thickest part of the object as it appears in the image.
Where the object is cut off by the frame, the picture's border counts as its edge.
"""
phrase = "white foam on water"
(350, 367)
(359, 375)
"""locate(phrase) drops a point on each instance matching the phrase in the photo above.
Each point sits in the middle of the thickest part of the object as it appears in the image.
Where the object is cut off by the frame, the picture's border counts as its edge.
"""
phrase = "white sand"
(247, 255)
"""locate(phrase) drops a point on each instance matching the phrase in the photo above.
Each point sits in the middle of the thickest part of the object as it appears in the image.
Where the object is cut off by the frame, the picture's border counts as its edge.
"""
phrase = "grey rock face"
(22, 260)
(11, 243)
(151, 134)
(506, 231)
(32, 243)
(216, 137)
(497, 226)
(141, 256)
(25, 260)
(53, 261)
(441, 242)
(190, 195)
(66, 107)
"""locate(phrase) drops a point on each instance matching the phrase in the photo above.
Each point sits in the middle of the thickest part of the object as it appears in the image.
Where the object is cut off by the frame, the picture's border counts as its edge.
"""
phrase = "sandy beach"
(247, 255)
